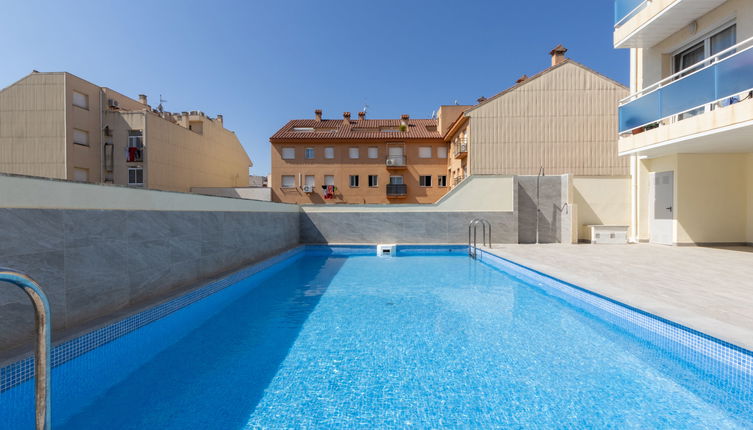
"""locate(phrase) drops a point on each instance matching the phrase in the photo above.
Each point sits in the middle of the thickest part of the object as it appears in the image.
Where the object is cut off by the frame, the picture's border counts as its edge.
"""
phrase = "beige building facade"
(688, 122)
(363, 161)
(58, 125)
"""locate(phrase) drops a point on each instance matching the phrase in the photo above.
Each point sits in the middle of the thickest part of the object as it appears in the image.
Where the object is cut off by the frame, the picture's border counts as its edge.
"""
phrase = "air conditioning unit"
(391, 162)
(308, 188)
(112, 103)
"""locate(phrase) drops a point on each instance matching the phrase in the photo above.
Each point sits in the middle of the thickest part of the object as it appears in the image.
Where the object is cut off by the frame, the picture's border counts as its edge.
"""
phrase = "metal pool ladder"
(42, 355)
(473, 225)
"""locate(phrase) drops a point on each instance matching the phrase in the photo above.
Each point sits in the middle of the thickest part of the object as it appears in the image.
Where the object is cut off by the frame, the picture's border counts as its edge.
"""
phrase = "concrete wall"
(250, 193)
(490, 196)
(93, 263)
(402, 227)
(712, 197)
(550, 202)
(601, 200)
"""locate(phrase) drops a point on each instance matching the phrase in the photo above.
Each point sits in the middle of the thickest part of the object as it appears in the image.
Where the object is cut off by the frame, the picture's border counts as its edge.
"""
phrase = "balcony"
(457, 180)
(461, 150)
(707, 97)
(394, 162)
(643, 23)
(397, 191)
(134, 155)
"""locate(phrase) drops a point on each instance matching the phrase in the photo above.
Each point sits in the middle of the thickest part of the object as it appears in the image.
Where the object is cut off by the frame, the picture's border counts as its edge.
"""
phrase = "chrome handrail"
(42, 355)
(472, 251)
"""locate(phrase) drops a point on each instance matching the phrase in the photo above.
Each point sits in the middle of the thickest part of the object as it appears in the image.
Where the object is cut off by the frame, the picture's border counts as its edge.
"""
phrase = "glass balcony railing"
(625, 9)
(719, 79)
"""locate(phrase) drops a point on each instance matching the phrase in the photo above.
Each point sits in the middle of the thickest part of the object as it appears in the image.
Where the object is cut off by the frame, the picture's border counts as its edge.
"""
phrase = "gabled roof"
(540, 74)
(358, 129)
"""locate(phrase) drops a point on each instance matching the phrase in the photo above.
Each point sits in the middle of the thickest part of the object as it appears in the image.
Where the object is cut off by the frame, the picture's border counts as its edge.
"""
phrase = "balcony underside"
(660, 19)
(726, 130)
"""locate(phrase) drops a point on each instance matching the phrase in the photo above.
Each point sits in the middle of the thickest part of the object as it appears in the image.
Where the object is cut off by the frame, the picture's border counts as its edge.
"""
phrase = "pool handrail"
(474, 225)
(43, 331)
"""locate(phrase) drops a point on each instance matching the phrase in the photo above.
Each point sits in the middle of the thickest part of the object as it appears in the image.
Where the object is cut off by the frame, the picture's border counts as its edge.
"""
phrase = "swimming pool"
(334, 337)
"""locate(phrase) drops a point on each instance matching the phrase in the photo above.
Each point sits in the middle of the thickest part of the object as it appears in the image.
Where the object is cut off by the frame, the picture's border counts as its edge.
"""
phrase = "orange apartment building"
(362, 161)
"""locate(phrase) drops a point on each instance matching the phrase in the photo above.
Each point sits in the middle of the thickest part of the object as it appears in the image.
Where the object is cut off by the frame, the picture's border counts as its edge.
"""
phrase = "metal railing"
(473, 225)
(42, 353)
(626, 9)
(396, 190)
(461, 148)
(457, 180)
(713, 80)
(395, 161)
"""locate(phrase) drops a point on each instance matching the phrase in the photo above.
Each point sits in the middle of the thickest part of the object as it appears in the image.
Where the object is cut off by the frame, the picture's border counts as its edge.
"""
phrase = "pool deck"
(707, 289)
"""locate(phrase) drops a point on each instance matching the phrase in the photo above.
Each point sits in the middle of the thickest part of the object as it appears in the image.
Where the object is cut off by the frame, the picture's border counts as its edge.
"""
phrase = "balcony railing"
(461, 148)
(626, 9)
(717, 80)
(457, 180)
(397, 190)
(396, 161)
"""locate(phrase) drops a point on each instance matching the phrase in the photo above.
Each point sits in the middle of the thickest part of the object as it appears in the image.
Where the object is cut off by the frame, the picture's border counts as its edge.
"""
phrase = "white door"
(663, 211)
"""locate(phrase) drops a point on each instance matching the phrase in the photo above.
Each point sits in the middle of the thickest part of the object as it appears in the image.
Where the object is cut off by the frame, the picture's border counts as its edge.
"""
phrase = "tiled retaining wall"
(95, 262)
(402, 227)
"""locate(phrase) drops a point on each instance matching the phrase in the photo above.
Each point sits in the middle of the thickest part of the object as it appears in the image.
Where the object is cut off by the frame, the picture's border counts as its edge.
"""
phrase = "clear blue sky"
(261, 63)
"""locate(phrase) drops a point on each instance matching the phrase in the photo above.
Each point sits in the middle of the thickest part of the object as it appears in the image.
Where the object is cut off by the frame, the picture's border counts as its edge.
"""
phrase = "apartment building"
(561, 120)
(358, 161)
(687, 125)
(58, 125)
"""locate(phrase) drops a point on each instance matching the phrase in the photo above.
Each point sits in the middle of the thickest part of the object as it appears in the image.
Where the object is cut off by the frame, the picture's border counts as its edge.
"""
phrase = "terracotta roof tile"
(358, 129)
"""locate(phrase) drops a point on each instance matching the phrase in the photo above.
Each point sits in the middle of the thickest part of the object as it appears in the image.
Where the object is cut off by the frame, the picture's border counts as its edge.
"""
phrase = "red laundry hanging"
(132, 154)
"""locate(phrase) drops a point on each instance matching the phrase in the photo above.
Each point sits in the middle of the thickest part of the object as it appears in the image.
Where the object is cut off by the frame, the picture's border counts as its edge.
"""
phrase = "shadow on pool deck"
(216, 375)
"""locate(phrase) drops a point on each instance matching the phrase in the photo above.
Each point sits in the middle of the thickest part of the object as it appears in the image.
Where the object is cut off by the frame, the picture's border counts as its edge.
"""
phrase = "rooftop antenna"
(433, 114)
(365, 107)
(161, 100)
(456, 103)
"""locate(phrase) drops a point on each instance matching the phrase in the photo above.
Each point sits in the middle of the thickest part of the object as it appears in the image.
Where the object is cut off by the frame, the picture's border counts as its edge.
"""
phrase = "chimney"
(142, 99)
(318, 115)
(220, 119)
(404, 119)
(481, 99)
(361, 115)
(346, 118)
(558, 54)
(522, 79)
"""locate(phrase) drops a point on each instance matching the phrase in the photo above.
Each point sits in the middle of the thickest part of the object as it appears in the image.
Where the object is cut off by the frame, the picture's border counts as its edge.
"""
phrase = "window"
(441, 152)
(80, 100)
(329, 180)
(424, 152)
(329, 152)
(441, 180)
(707, 47)
(288, 153)
(80, 174)
(303, 129)
(80, 137)
(135, 139)
(309, 153)
(353, 153)
(135, 176)
(354, 180)
(373, 152)
(396, 180)
(424, 180)
(373, 181)
(310, 180)
(288, 181)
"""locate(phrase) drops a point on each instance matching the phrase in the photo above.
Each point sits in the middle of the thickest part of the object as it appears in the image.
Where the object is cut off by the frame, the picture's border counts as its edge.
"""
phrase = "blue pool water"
(423, 341)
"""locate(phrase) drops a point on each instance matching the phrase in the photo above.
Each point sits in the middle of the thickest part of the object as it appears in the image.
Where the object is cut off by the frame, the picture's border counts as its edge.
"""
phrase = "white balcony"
(643, 24)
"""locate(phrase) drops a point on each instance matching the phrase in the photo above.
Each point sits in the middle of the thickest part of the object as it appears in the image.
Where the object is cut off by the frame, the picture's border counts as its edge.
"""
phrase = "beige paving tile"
(708, 289)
